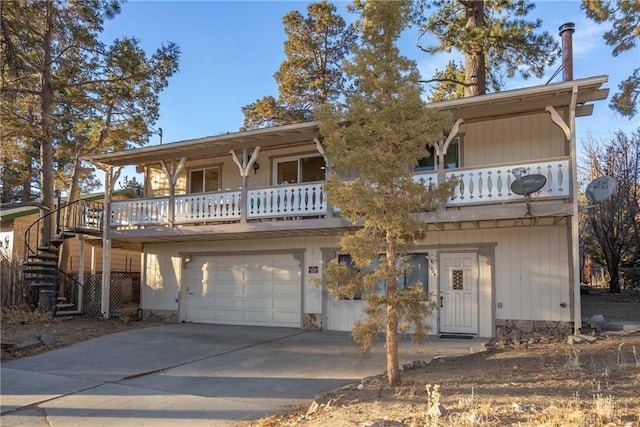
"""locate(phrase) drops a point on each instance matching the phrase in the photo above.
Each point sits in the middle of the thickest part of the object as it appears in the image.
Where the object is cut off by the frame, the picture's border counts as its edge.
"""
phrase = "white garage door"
(262, 290)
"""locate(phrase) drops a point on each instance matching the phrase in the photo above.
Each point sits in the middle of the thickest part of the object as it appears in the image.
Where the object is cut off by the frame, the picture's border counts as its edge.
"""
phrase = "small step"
(45, 257)
(48, 249)
(42, 285)
(65, 305)
(40, 269)
(67, 312)
(45, 263)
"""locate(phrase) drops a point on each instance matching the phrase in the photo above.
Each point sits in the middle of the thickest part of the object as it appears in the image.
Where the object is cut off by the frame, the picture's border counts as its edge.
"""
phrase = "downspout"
(575, 220)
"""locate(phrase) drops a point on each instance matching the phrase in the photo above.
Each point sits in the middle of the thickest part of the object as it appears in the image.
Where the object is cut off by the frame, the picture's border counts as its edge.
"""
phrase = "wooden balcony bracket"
(245, 166)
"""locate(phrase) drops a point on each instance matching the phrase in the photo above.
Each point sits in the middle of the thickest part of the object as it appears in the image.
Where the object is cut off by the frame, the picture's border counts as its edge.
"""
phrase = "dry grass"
(25, 316)
(595, 384)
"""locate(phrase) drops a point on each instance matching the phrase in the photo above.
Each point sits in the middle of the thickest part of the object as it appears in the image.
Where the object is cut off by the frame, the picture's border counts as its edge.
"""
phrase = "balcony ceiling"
(484, 107)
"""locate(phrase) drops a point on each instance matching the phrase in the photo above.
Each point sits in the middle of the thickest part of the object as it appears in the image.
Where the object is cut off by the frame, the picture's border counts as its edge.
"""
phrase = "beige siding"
(157, 184)
(531, 272)
(121, 260)
(163, 280)
(514, 139)
(528, 278)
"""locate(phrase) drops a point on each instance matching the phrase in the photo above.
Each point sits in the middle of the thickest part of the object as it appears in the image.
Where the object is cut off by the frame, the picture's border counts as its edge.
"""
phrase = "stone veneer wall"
(519, 331)
(312, 322)
(168, 316)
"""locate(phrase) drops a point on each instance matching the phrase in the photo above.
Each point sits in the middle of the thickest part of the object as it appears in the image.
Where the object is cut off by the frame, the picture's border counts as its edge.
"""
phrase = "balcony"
(476, 186)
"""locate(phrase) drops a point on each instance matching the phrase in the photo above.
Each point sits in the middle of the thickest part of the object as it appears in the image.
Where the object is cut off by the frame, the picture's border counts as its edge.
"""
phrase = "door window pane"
(313, 169)
(202, 180)
(287, 172)
(451, 157)
(196, 181)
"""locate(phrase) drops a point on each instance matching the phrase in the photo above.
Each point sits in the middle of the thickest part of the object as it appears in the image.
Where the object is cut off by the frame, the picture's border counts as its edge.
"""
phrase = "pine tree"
(316, 47)
(624, 17)
(378, 137)
(58, 78)
(494, 36)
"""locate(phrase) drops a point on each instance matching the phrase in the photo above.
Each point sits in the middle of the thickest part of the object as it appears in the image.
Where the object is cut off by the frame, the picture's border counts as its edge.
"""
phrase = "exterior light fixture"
(256, 166)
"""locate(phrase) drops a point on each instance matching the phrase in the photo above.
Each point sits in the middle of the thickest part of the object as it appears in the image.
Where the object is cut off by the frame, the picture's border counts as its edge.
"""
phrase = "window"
(451, 158)
(419, 271)
(298, 170)
(203, 180)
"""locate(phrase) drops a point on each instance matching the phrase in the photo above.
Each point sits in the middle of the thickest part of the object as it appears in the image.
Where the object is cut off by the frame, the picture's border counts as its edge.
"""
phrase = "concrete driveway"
(190, 375)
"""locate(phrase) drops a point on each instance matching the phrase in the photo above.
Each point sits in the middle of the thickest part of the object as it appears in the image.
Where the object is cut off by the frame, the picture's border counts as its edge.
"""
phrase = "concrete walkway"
(190, 375)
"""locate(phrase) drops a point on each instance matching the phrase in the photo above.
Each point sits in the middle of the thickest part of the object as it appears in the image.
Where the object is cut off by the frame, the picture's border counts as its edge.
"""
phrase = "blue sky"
(231, 49)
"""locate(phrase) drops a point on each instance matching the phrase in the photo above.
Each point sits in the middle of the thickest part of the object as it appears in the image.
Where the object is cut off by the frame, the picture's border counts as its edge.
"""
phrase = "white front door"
(458, 299)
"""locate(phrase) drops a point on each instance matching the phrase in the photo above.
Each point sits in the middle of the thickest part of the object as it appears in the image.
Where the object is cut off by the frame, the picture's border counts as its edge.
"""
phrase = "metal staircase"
(56, 289)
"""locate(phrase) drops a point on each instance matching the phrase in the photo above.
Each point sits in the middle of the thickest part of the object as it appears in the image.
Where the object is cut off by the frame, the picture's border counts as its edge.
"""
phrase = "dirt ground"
(595, 384)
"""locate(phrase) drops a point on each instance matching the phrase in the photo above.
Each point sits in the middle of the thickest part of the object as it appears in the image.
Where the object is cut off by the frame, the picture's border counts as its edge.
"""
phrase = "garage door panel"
(229, 302)
(228, 316)
(286, 288)
(286, 318)
(246, 290)
(203, 315)
(258, 316)
(227, 288)
(202, 302)
(287, 304)
(258, 288)
(225, 275)
(258, 275)
(253, 303)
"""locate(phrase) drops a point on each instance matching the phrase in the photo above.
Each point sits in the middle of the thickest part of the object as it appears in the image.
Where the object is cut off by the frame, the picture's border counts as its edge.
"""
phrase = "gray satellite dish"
(600, 189)
(527, 185)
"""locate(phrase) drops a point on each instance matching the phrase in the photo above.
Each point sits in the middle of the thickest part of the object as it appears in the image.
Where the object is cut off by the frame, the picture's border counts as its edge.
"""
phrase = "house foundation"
(532, 331)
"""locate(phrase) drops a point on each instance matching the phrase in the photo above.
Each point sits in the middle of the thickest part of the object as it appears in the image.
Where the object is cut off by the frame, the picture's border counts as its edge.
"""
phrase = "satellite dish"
(528, 184)
(601, 189)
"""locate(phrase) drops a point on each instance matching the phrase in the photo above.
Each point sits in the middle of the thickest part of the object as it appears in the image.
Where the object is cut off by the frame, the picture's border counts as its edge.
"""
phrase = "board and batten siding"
(527, 279)
(514, 139)
(164, 282)
(530, 273)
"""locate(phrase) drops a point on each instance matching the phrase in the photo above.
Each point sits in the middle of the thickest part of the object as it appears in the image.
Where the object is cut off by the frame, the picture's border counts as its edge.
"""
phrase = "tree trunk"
(46, 146)
(74, 194)
(474, 57)
(391, 344)
(614, 282)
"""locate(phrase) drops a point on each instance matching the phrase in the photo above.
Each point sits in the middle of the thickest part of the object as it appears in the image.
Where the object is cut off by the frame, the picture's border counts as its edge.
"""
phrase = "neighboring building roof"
(9, 214)
(20, 211)
(494, 105)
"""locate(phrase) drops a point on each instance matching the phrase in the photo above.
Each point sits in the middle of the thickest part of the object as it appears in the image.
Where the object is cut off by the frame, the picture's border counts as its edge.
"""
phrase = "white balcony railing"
(475, 186)
(287, 200)
(203, 207)
(139, 212)
(491, 185)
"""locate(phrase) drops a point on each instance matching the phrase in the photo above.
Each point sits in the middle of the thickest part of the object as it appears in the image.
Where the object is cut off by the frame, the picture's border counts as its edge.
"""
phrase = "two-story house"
(234, 228)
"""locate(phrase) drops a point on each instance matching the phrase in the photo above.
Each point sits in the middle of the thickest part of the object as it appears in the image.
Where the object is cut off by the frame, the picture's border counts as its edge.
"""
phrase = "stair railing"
(79, 216)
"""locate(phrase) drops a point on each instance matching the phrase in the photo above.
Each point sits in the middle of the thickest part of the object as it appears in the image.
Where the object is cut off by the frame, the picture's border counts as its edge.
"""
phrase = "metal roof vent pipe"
(566, 31)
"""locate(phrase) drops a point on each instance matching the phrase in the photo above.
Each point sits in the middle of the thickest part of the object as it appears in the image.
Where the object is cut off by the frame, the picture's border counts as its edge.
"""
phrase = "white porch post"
(81, 274)
(172, 174)
(244, 167)
(110, 179)
(327, 170)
